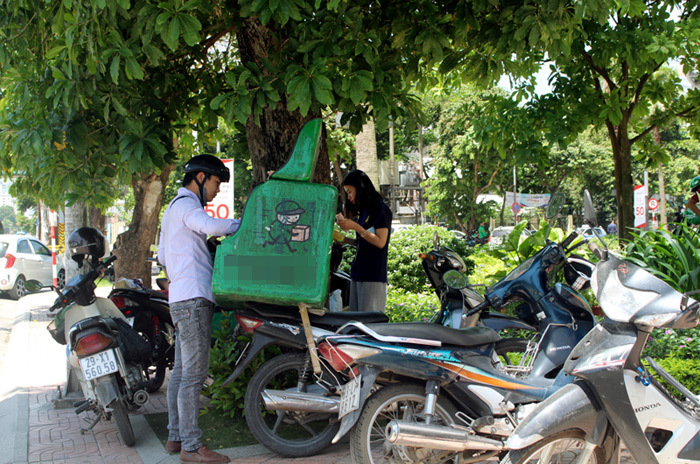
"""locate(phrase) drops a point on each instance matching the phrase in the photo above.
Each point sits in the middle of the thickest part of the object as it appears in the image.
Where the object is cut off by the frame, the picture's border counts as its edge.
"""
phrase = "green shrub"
(670, 343)
(683, 370)
(228, 346)
(404, 306)
(675, 259)
(405, 268)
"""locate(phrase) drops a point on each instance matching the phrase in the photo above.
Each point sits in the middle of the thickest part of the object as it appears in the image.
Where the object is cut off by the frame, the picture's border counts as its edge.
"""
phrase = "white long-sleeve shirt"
(183, 248)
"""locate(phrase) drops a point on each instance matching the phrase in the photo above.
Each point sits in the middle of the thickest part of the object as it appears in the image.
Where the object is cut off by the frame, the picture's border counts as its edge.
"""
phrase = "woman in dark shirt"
(370, 218)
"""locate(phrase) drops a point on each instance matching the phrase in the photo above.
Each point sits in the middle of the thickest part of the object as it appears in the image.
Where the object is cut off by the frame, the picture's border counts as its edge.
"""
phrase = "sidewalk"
(31, 431)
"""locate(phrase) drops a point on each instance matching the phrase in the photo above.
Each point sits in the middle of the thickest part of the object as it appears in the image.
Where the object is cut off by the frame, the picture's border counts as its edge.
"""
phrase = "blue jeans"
(192, 319)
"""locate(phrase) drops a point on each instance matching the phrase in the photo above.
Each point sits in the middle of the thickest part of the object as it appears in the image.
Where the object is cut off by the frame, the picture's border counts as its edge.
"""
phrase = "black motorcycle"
(148, 312)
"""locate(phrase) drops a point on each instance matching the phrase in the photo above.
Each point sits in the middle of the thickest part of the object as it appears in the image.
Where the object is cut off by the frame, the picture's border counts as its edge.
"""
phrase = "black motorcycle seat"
(333, 320)
(467, 337)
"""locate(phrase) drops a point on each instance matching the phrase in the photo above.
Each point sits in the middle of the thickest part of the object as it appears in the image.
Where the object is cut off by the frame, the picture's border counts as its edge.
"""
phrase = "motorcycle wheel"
(155, 372)
(159, 376)
(289, 433)
(368, 444)
(121, 417)
(511, 350)
(565, 447)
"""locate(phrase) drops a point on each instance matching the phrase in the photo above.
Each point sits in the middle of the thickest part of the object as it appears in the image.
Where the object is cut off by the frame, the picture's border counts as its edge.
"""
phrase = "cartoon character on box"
(285, 229)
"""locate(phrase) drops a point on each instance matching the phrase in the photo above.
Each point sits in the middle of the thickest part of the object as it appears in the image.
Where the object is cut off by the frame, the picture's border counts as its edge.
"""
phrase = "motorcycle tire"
(511, 350)
(156, 371)
(368, 443)
(291, 434)
(158, 377)
(564, 445)
(121, 417)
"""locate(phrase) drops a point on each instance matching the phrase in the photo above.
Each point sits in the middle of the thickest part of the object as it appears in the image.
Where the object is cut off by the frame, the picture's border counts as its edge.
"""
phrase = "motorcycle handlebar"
(69, 294)
(567, 241)
(477, 308)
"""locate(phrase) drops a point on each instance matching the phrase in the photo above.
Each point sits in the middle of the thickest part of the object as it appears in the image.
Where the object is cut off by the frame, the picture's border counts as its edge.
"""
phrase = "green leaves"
(308, 86)
(673, 258)
(176, 21)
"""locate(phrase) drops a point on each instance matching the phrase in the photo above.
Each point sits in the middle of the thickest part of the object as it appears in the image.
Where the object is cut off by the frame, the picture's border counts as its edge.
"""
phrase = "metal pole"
(54, 267)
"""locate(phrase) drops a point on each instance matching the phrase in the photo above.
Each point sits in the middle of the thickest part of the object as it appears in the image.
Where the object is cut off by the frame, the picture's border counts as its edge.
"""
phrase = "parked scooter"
(615, 397)
(106, 353)
(148, 312)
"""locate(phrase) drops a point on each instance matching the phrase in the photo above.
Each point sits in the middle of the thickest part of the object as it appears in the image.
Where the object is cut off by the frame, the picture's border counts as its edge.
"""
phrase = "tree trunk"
(624, 187)
(366, 149)
(271, 143)
(133, 246)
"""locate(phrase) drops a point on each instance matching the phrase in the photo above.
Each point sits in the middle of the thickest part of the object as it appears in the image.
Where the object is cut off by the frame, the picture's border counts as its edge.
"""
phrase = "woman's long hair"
(366, 195)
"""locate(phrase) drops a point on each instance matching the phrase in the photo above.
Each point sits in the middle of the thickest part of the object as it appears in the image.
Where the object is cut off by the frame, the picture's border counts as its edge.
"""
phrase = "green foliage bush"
(405, 268)
(675, 259)
(405, 306)
(683, 370)
(228, 346)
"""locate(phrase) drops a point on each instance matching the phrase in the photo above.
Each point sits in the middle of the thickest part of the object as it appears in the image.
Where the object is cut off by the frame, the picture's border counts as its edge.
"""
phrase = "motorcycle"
(302, 428)
(148, 312)
(106, 353)
(446, 392)
(616, 398)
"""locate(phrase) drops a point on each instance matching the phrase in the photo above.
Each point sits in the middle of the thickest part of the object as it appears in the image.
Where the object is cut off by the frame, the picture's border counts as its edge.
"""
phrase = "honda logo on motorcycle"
(647, 407)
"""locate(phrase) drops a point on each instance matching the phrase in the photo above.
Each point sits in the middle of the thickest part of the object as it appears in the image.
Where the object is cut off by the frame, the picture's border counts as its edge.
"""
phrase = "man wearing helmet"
(692, 204)
(184, 253)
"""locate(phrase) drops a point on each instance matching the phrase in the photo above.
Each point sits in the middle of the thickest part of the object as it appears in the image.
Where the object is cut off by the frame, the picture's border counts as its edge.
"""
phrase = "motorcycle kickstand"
(92, 423)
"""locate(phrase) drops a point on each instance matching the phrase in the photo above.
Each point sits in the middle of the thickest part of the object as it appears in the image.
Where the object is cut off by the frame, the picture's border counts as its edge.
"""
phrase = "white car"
(499, 234)
(587, 232)
(25, 258)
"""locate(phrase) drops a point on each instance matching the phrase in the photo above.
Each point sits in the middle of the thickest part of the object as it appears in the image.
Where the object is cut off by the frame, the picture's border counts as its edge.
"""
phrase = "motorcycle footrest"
(81, 406)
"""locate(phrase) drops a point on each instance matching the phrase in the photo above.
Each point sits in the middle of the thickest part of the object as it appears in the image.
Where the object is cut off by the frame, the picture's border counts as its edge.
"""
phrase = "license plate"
(99, 364)
(349, 397)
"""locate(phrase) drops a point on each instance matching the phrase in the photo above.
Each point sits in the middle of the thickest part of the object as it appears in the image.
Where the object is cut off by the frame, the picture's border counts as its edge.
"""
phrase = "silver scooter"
(615, 397)
(106, 354)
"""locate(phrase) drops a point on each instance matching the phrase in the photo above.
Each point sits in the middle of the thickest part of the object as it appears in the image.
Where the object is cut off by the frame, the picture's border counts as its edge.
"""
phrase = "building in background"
(5, 198)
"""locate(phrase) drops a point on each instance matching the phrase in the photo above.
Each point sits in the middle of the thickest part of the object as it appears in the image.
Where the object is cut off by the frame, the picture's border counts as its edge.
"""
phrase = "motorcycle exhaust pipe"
(141, 397)
(281, 400)
(440, 437)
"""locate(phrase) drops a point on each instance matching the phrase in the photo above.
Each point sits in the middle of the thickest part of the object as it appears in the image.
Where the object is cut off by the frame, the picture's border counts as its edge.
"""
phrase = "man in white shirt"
(189, 266)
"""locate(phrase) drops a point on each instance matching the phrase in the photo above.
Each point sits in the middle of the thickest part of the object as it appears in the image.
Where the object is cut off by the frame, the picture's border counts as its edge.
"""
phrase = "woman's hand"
(345, 224)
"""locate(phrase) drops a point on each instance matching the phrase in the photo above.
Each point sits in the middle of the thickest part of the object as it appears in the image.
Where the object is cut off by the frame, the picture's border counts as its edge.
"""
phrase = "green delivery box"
(281, 252)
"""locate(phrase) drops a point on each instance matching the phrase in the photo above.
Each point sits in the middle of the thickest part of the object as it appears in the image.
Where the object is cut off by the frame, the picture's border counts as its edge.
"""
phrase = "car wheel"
(61, 279)
(18, 290)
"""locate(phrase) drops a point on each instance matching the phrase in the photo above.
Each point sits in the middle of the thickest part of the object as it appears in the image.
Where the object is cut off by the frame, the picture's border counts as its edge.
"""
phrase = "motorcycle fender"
(258, 344)
(369, 375)
(569, 408)
(106, 390)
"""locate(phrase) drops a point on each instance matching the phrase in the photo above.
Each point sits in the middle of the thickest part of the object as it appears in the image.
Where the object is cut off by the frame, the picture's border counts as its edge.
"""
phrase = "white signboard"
(222, 206)
(640, 206)
(529, 199)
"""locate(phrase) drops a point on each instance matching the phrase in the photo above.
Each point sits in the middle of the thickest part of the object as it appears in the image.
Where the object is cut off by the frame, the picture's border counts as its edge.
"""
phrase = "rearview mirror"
(556, 203)
(454, 279)
(33, 286)
(589, 209)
